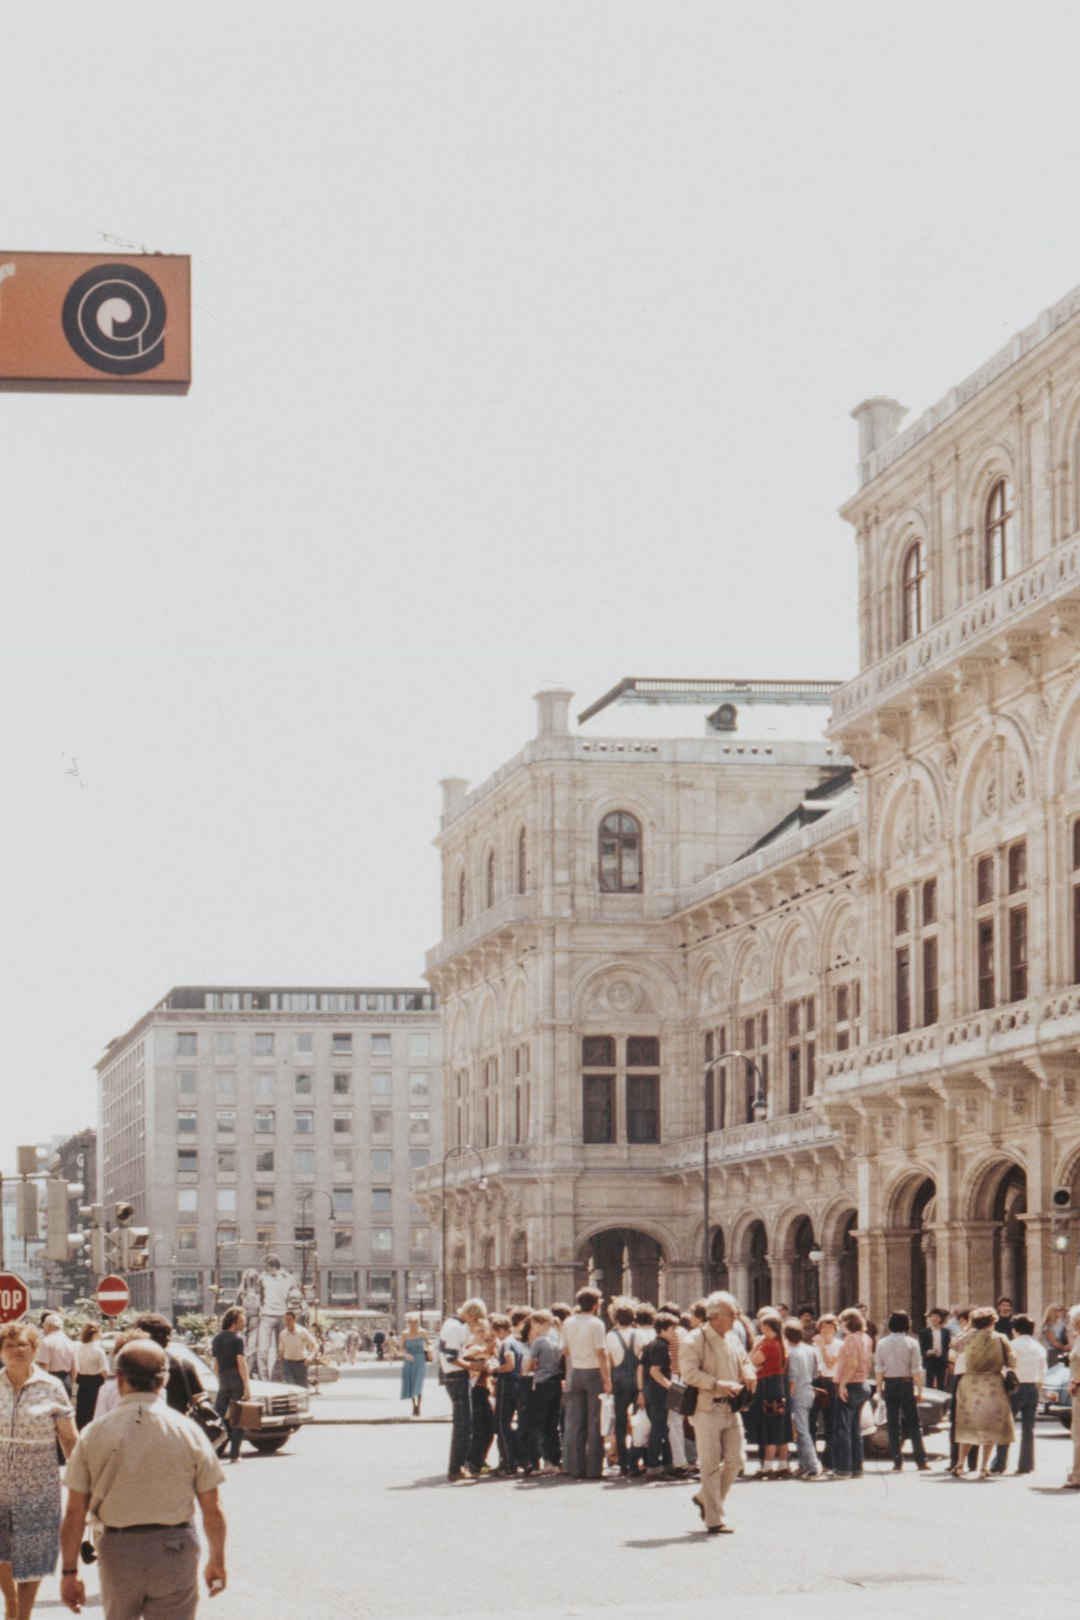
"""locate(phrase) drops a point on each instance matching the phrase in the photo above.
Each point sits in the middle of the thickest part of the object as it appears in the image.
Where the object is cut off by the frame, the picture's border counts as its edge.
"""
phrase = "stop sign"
(14, 1297)
(112, 1295)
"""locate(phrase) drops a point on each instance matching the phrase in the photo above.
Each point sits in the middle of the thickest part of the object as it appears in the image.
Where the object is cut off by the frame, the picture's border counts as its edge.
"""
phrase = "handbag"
(822, 1395)
(682, 1398)
(773, 1407)
(202, 1411)
(743, 1401)
(1012, 1381)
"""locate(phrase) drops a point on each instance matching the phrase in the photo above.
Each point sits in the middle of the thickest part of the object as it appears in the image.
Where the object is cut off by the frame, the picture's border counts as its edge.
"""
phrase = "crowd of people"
(681, 1392)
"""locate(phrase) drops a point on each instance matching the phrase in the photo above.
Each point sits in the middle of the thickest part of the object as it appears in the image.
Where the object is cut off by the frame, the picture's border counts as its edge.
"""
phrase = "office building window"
(643, 1108)
(187, 1200)
(225, 1081)
(226, 1122)
(381, 1200)
(342, 1123)
(264, 1162)
(264, 1200)
(226, 1200)
(185, 1083)
(187, 1239)
(343, 1200)
(930, 980)
(419, 1125)
(304, 1160)
(380, 1084)
(187, 1161)
(381, 1161)
(226, 1161)
(304, 1124)
(264, 1122)
(224, 1043)
(343, 1239)
(343, 1287)
(380, 1046)
(418, 1158)
(302, 1085)
(420, 1242)
(382, 1239)
(186, 1043)
(342, 1046)
(187, 1124)
(620, 854)
(382, 1122)
(303, 1042)
(1018, 953)
(264, 1045)
(264, 1085)
(419, 1045)
(343, 1085)
(598, 1110)
(419, 1087)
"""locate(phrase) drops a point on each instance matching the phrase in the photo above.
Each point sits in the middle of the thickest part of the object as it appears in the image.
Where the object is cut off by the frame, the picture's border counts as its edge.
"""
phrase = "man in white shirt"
(1031, 1362)
(297, 1346)
(275, 1287)
(587, 1374)
(454, 1335)
(56, 1352)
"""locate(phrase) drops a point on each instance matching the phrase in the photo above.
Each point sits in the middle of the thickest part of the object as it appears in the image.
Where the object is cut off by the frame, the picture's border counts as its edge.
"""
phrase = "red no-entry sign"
(112, 1295)
(14, 1297)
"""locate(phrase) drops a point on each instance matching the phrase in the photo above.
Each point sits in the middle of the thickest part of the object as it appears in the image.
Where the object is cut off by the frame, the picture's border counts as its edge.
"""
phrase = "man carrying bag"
(713, 1361)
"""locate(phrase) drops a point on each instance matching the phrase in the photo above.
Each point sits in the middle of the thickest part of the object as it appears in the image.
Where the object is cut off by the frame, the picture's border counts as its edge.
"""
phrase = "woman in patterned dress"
(34, 1414)
(983, 1410)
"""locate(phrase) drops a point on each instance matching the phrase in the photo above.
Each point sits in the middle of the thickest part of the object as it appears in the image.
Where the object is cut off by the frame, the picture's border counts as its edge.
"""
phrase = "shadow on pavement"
(670, 1541)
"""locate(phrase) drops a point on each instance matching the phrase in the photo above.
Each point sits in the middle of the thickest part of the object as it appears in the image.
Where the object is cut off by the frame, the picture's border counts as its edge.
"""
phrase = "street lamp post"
(530, 1283)
(452, 1153)
(759, 1108)
(309, 1244)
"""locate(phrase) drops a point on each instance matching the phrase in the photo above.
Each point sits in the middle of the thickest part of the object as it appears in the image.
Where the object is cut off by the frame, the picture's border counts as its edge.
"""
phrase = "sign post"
(14, 1297)
(112, 1295)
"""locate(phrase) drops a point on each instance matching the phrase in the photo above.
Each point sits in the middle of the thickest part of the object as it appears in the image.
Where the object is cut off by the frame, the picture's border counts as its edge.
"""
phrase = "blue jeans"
(802, 1412)
(1025, 1404)
(457, 1387)
(294, 1372)
(847, 1435)
(659, 1452)
(902, 1410)
(230, 1388)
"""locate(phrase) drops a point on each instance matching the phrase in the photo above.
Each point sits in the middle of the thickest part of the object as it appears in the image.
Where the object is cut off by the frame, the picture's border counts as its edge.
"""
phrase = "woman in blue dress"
(414, 1363)
(34, 1413)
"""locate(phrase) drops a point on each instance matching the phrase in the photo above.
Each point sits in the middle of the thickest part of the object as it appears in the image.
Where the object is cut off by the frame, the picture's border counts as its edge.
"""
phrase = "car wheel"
(267, 1444)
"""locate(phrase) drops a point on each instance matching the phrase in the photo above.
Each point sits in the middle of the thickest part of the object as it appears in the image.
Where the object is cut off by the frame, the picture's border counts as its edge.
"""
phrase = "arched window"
(489, 880)
(461, 900)
(914, 592)
(999, 560)
(620, 854)
(522, 863)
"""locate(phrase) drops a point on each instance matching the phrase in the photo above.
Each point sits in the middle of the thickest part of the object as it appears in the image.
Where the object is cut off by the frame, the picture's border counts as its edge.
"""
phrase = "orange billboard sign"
(95, 322)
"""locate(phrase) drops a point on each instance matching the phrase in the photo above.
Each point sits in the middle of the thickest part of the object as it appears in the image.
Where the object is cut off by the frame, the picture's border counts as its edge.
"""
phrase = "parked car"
(285, 1408)
(933, 1412)
(1054, 1398)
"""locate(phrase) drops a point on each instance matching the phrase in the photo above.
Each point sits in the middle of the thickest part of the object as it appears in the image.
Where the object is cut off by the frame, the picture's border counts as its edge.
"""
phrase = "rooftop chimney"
(553, 712)
(879, 421)
(454, 789)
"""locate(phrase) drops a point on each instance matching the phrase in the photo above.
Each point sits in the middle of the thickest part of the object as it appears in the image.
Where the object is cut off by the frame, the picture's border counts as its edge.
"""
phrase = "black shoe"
(720, 1530)
(896, 1467)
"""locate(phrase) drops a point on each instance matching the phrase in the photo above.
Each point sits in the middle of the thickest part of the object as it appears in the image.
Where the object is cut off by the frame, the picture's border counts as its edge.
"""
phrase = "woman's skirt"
(775, 1426)
(983, 1411)
(86, 1394)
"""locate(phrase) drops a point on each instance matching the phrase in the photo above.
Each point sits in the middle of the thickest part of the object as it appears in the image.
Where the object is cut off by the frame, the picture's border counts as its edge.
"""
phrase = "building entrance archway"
(848, 1263)
(758, 1270)
(1010, 1238)
(623, 1260)
(805, 1287)
(718, 1266)
(923, 1251)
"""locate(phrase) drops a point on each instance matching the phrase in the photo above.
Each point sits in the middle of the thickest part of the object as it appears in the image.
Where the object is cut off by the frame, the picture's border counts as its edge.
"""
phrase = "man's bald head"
(143, 1366)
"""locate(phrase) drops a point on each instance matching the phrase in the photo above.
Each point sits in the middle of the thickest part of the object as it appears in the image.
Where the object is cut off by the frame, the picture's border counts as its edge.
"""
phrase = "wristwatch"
(68, 1572)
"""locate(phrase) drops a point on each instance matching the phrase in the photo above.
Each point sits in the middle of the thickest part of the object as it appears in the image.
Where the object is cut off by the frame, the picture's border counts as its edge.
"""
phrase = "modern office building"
(74, 1160)
(244, 1121)
(719, 1011)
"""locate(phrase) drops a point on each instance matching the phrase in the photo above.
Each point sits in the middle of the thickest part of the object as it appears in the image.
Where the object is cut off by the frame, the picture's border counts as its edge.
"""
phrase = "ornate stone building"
(854, 962)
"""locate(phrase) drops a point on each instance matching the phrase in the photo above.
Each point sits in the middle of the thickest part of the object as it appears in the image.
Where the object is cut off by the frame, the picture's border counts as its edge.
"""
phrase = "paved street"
(357, 1520)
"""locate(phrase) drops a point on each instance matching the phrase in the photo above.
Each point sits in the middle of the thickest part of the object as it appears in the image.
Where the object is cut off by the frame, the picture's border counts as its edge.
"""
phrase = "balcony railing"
(993, 614)
(505, 913)
(999, 1032)
(764, 1136)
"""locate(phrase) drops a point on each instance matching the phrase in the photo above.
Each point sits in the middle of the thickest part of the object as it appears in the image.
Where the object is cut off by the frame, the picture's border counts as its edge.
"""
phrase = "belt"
(141, 1529)
(899, 1378)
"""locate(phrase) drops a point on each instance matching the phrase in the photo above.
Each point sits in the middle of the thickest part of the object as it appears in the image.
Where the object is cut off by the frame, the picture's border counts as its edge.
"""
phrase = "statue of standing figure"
(278, 1291)
(249, 1298)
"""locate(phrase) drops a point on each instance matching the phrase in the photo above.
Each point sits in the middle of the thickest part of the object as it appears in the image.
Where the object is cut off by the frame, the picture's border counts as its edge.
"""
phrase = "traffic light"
(134, 1248)
(99, 1263)
(60, 1244)
(27, 1210)
(27, 1158)
(122, 1213)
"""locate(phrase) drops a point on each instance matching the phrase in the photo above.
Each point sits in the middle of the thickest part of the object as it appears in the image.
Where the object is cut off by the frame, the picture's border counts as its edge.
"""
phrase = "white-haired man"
(714, 1361)
(1073, 1481)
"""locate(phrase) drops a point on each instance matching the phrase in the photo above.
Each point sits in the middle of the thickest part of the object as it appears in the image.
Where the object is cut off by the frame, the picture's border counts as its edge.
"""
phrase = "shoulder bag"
(202, 1411)
(682, 1398)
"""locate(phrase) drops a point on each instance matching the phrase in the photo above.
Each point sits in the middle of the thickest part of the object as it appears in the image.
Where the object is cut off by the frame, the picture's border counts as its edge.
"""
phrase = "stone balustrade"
(994, 613)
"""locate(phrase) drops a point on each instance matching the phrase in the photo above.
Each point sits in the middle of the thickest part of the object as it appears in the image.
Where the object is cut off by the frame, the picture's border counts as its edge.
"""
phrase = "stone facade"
(860, 967)
(240, 1121)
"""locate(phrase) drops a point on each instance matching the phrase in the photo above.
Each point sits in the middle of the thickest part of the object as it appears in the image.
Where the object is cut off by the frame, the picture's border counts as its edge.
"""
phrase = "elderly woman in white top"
(34, 1414)
(1073, 1481)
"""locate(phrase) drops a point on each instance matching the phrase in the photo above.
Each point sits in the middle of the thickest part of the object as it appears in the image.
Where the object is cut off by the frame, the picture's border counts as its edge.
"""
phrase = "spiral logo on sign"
(114, 319)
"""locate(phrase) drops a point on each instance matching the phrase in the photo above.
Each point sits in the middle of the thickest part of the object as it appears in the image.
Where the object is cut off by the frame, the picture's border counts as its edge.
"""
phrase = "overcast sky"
(526, 337)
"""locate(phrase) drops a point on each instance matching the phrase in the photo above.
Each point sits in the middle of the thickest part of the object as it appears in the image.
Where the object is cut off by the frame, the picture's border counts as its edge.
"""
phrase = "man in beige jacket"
(713, 1360)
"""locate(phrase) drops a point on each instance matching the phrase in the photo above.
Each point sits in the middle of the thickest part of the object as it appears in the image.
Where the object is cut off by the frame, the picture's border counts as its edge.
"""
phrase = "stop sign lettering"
(14, 1297)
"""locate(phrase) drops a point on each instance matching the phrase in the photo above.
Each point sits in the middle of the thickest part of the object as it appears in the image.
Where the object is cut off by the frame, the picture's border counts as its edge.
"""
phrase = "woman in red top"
(769, 1356)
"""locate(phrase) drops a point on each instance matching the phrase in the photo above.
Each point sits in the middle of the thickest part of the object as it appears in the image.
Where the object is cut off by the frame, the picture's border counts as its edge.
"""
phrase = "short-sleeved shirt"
(297, 1345)
(898, 1356)
(225, 1348)
(453, 1336)
(546, 1358)
(773, 1352)
(657, 1353)
(142, 1464)
(583, 1336)
(56, 1353)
